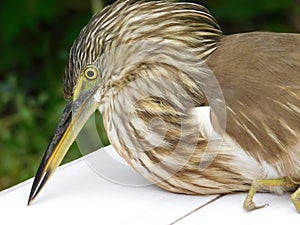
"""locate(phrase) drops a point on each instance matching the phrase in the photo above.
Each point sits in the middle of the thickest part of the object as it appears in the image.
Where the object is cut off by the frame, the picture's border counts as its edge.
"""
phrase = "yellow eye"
(91, 72)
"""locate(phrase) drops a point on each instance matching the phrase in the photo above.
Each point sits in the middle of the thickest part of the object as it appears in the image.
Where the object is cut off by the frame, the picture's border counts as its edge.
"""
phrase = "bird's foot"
(295, 198)
(249, 205)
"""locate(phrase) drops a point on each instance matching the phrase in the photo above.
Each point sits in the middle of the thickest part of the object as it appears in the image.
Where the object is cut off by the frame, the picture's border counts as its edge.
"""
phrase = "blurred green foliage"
(34, 42)
(35, 39)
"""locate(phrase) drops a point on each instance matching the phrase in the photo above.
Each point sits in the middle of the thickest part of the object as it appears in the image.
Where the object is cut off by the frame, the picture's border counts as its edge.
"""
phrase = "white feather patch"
(246, 165)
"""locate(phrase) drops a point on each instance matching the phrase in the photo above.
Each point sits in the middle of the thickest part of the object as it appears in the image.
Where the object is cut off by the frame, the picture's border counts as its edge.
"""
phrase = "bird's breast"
(188, 158)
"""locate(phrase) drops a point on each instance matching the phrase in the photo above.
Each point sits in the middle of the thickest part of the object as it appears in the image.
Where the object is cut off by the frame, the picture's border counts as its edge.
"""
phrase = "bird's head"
(121, 43)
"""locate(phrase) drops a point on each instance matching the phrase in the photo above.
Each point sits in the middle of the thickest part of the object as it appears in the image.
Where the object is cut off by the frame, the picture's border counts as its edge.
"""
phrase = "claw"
(250, 205)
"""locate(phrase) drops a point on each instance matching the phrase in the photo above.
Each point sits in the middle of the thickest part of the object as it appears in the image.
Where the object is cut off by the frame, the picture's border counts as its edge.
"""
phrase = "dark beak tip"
(30, 199)
(44, 172)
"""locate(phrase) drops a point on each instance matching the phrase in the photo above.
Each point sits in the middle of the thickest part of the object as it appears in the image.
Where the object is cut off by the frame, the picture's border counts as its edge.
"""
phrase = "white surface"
(77, 194)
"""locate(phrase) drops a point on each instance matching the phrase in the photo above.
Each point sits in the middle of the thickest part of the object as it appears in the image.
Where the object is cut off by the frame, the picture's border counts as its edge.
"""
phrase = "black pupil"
(90, 73)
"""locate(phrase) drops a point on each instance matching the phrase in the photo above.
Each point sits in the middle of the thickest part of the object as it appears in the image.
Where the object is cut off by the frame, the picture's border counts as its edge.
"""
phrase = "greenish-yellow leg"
(295, 198)
(284, 182)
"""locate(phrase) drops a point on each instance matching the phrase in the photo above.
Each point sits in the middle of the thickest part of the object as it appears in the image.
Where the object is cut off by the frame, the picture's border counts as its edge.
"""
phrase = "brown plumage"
(260, 79)
(192, 110)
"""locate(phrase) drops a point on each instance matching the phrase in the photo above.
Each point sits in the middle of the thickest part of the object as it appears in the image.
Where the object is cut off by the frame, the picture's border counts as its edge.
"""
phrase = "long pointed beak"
(73, 119)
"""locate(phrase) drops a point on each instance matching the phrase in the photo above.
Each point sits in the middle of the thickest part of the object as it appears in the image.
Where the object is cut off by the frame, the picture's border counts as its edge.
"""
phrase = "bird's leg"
(284, 182)
(295, 198)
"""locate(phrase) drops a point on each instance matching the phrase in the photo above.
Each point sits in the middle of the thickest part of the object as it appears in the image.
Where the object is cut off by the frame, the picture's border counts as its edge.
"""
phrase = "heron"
(191, 109)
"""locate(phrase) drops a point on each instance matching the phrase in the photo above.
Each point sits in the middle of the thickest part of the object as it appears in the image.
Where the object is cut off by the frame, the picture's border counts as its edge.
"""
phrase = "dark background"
(35, 37)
